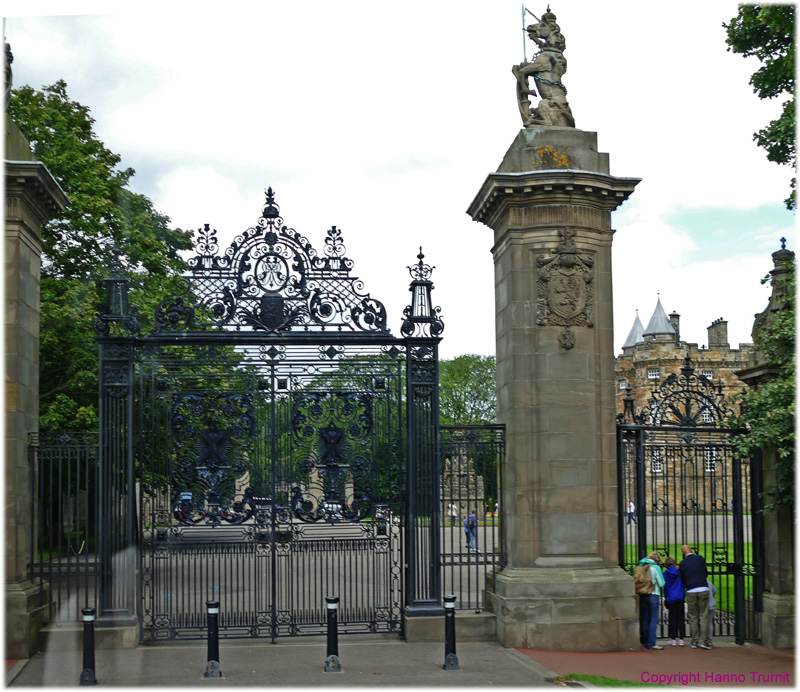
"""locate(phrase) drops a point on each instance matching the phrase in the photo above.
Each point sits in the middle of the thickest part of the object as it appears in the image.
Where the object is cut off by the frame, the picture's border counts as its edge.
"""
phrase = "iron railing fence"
(64, 536)
(471, 458)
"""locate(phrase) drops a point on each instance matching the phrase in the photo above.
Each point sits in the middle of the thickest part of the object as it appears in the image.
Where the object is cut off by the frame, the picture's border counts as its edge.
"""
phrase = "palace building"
(651, 353)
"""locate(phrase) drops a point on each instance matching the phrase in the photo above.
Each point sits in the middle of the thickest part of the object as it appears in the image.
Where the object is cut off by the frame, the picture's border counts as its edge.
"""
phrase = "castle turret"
(659, 328)
(635, 335)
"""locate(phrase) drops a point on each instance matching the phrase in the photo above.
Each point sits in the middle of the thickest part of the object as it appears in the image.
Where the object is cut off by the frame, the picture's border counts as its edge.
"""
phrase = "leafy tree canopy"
(767, 32)
(103, 213)
(467, 390)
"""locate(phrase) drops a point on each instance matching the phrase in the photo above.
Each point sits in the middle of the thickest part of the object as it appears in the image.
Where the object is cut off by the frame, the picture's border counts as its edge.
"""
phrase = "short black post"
(332, 663)
(212, 666)
(450, 658)
(87, 674)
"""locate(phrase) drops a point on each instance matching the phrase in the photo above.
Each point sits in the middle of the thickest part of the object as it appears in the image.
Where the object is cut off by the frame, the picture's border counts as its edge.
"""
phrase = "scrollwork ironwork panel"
(270, 279)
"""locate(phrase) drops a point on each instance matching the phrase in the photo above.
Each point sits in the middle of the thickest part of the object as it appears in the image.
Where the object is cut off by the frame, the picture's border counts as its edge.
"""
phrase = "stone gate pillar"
(778, 617)
(549, 205)
(32, 198)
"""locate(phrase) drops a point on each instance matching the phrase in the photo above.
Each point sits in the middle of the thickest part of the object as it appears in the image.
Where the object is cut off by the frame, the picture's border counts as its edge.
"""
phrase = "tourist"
(452, 510)
(674, 596)
(649, 604)
(472, 525)
(694, 575)
(631, 512)
(465, 521)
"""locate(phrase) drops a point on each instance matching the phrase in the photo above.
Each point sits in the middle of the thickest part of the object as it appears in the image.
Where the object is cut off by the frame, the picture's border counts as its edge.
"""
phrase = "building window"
(656, 461)
(653, 373)
(711, 459)
(708, 374)
(623, 384)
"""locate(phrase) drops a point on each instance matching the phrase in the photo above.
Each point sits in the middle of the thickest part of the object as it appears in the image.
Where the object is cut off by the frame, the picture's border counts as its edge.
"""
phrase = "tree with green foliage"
(768, 410)
(103, 214)
(767, 31)
(467, 390)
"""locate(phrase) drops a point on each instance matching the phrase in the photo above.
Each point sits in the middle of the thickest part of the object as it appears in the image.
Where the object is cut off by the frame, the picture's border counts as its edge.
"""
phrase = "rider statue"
(547, 68)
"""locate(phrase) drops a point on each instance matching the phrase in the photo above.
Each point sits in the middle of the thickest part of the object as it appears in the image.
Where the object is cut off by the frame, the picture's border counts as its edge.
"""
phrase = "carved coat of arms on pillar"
(565, 289)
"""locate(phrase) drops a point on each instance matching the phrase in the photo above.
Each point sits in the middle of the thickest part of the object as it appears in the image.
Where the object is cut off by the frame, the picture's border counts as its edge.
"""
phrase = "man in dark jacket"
(694, 574)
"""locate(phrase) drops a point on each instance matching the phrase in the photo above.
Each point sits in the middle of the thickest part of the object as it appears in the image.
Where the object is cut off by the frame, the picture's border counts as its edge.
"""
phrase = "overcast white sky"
(384, 119)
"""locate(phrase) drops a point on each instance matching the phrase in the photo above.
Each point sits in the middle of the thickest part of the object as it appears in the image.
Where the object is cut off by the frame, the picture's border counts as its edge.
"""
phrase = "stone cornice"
(31, 181)
(503, 190)
(758, 374)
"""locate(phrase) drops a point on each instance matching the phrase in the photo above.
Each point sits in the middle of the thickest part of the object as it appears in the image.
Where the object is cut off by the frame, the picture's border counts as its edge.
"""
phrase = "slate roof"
(636, 334)
(659, 322)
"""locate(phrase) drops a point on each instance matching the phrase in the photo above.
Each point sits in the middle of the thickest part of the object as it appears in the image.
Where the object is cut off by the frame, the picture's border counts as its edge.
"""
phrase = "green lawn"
(723, 582)
(600, 681)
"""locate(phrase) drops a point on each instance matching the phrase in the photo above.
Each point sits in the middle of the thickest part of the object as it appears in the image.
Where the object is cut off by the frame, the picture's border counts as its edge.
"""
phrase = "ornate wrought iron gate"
(282, 443)
(680, 469)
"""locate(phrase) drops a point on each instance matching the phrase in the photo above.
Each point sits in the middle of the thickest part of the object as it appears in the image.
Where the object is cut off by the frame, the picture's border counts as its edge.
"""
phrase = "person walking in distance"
(674, 596)
(694, 575)
(631, 512)
(452, 510)
(472, 524)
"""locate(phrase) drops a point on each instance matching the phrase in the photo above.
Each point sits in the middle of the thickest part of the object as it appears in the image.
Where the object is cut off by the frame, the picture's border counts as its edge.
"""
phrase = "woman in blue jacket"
(674, 597)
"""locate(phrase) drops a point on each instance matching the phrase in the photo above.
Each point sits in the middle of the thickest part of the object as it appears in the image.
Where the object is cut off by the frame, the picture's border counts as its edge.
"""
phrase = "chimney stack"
(718, 333)
(675, 321)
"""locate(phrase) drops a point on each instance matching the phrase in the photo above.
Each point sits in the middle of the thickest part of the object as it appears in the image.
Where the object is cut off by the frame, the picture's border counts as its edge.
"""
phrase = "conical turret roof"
(636, 334)
(659, 322)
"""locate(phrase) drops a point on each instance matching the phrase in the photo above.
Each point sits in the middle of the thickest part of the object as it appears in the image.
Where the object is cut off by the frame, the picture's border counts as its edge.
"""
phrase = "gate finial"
(271, 210)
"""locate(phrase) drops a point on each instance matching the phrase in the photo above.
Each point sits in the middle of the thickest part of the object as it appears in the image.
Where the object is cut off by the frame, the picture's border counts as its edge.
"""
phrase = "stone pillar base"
(470, 627)
(566, 608)
(777, 621)
(69, 637)
(27, 611)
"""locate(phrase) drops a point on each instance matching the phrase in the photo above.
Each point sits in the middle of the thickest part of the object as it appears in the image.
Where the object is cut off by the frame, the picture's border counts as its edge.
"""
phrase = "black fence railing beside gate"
(472, 550)
(64, 538)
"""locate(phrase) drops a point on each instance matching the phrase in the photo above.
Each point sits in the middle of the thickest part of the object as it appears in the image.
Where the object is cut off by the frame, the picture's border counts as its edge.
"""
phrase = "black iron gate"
(680, 469)
(283, 445)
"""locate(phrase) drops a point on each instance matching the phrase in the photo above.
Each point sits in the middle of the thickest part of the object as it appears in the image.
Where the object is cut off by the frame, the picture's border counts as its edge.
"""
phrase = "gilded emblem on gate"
(565, 289)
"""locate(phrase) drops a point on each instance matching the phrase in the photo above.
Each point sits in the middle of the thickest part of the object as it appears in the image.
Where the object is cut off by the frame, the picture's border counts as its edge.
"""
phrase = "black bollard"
(332, 663)
(87, 674)
(450, 658)
(212, 666)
